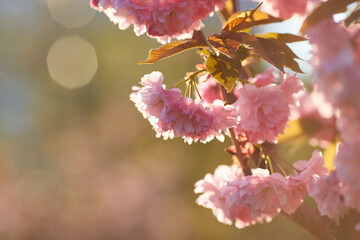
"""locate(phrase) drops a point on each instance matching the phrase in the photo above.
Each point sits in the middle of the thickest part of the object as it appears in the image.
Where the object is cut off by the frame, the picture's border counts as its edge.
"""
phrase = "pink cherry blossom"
(347, 164)
(264, 111)
(265, 78)
(163, 19)
(295, 195)
(317, 118)
(225, 117)
(211, 188)
(264, 193)
(311, 169)
(173, 115)
(335, 63)
(209, 89)
(288, 8)
(326, 191)
(152, 97)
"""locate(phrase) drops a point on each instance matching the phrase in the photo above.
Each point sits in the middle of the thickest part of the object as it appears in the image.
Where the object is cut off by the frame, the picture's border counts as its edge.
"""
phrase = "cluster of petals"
(209, 89)
(288, 8)
(160, 19)
(327, 193)
(247, 200)
(264, 107)
(317, 118)
(173, 115)
(335, 61)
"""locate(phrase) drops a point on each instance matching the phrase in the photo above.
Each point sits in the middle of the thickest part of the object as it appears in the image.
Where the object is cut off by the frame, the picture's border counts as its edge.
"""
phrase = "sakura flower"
(326, 191)
(317, 118)
(152, 97)
(173, 115)
(311, 169)
(264, 193)
(208, 89)
(212, 186)
(188, 119)
(264, 111)
(265, 78)
(287, 8)
(347, 164)
(162, 20)
(295, 195)
(219, 193)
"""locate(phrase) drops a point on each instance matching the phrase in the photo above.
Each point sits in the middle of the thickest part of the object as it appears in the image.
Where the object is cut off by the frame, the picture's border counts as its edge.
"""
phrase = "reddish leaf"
(225, 44)
(171, 49)
(281, 40)
(253, 19)
(236, 21)
(325, 10)
(282, 37)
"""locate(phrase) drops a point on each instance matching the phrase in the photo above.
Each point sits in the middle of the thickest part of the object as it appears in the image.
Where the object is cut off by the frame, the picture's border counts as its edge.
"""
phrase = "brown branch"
(310, 219)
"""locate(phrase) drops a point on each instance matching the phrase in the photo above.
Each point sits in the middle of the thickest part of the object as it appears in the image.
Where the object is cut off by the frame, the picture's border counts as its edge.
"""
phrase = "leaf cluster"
(226, 51)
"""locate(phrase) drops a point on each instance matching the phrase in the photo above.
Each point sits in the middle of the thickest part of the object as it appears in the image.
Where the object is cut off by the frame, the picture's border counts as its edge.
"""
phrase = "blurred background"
(77, 161)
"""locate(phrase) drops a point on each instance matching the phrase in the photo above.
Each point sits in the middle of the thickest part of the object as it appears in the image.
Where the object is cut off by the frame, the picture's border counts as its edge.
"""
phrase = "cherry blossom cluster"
(260, 112)
(336, 59)
(173, 115)
(247, 200)
(160, 19)
(261, 106)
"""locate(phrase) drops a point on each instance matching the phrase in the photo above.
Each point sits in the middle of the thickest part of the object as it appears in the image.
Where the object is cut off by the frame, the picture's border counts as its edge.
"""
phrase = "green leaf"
(171, 49)
(325, 10)
(225, 70)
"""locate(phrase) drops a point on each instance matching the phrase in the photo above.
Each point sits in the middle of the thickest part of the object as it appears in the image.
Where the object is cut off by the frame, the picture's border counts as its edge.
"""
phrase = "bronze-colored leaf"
(325, 10)
(254, 19)
(281, 40)
(225, 45)
(265, 48)
(354, 16)
(225, 70)
(282, 37)
(235, 21)
(171, 49)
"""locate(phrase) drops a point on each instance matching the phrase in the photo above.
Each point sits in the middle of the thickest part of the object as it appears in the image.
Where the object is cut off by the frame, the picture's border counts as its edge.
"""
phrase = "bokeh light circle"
(70, 13)
(72, 62)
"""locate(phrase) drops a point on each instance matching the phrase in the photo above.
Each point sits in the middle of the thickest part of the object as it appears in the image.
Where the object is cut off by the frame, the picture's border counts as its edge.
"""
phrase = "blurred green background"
(77, 161)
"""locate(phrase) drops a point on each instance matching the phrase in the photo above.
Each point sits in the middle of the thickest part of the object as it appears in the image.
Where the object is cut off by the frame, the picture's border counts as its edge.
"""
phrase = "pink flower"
(209, 89)
(265, 78)
(225, 117)
(263, 193)
(162, 19)
(211, 188)
(347, 162)
(335, 63)
(264, 111)
(287, 8)
(152, 97)
(326, 191)
(311, 169)
(296, 193)
(173, 115)
(188, 119)
(317, 118)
